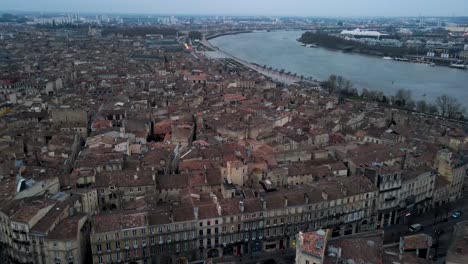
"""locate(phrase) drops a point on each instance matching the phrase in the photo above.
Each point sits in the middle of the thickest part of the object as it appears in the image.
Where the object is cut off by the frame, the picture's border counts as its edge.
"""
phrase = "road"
(392, 233)
(443, 222)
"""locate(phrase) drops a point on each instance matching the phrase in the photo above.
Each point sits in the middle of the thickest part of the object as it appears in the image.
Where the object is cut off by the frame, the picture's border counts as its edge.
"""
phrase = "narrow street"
(444, 222)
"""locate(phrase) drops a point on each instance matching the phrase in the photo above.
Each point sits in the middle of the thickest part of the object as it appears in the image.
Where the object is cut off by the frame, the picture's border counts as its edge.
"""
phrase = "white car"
(414, 228)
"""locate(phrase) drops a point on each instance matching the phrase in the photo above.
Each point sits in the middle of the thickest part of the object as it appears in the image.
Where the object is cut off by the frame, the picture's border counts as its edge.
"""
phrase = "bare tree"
(339, 81)
(410, 104)
(348, 85)
(422, 106)
(366, 94)
(402, 97)
(442, 102)
(449, 106)
(331, 83)
(432, 109)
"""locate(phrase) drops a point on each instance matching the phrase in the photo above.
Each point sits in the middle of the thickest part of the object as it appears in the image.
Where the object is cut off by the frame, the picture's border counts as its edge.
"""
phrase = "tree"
(432, 109)
(339, 82)
(402, 97)
(410, 104)
(449, 106)
(331, 85)
(384, 100)
(366, 94)
(455, 110)
(442, 102)
(348, 85)
(348, 89)
(422, 106)
(379, 96)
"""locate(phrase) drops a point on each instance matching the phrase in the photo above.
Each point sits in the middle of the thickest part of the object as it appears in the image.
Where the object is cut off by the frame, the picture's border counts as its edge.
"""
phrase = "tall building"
(453, 168)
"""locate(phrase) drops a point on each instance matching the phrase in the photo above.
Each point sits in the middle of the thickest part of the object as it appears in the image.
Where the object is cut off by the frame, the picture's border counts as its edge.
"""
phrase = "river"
(281, 50)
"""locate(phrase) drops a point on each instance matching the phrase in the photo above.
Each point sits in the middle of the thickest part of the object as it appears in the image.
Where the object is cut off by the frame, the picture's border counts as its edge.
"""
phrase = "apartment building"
(453, 168)
(45, 230)
(213, 227)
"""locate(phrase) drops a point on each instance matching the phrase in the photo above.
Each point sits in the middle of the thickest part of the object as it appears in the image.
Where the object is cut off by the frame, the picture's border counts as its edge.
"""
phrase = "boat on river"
(387, 58)
(401, 59)
(458, 66)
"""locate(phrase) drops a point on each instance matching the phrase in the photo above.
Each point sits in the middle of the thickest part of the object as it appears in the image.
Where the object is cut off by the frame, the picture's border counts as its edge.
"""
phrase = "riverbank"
(287, 50)
(402, 54)
(277, 76)
(227, 34)
(280, 50)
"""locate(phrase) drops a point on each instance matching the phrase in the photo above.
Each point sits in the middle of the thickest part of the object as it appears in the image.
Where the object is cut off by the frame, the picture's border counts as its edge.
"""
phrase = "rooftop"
(313, 243)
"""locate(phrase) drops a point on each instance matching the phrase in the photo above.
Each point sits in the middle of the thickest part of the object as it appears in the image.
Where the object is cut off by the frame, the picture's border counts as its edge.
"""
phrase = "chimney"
(241, 206)
(306, 198)
(195, 213)
(219, 209)
(204, 176)
(285, 201)
(228, 168)
(324, 195)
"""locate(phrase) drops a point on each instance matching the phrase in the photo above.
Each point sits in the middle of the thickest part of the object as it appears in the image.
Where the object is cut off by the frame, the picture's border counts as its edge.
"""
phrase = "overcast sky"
(249, 7)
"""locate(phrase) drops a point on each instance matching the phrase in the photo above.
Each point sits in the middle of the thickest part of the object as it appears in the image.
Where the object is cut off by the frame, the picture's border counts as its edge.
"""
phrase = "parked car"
(414, 228)
(456, 214)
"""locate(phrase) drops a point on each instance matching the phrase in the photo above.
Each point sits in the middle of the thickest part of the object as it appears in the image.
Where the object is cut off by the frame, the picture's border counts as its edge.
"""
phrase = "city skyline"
(245, 7)
(149, 131)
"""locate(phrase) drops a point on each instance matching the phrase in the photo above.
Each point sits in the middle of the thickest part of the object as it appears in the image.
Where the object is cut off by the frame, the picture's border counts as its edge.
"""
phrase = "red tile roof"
(313, 243)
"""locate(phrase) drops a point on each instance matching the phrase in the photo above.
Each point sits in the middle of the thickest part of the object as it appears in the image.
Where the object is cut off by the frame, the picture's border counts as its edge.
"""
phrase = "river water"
(281, 50)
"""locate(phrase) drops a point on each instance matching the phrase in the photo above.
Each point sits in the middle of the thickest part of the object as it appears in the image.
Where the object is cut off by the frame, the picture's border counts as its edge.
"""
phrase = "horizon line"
(233, 15)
